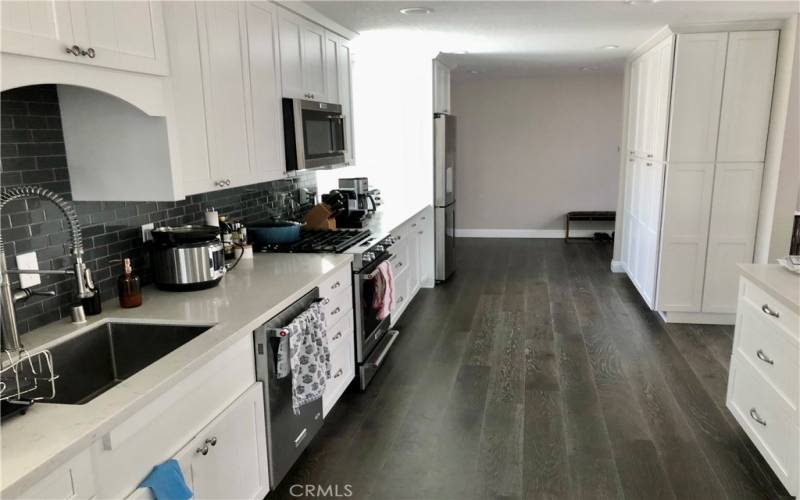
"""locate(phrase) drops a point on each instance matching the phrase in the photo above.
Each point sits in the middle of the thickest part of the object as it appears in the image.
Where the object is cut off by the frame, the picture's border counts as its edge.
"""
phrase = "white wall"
(531, 149)
(393, 113)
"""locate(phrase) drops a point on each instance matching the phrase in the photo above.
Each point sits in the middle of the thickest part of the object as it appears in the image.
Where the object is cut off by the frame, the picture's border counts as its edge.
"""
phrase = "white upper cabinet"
(747, 98)
(223, 54)
(120, 35)
(697, 96)
(39, 29)
(338, 75)
(227, 93)
(265, 111)
(651, 76)
(441, 87)
(303, 57)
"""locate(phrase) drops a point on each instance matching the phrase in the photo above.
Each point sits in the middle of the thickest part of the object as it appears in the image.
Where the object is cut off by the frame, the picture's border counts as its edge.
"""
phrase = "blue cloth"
(166, 482)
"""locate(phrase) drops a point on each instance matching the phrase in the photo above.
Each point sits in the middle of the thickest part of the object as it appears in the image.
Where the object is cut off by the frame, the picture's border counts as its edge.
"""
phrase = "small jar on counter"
(129, 286)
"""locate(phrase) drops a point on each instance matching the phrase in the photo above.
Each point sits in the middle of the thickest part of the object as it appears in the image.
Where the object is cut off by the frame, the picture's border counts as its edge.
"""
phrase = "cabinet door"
(236, 466)
(731, 237)
(697, 96)
(123, 35)
(186, 79)
(687, 209)
(313, 61)
(662, 80)
(37, 28)
(265, 112)
(227, 100)
(633, 106)
(344, 73)
(289, 41)
(332, 69)
(747, 98)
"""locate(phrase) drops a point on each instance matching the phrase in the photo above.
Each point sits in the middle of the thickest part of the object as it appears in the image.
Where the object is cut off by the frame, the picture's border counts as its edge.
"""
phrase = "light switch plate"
(147, 235)
(28, 261)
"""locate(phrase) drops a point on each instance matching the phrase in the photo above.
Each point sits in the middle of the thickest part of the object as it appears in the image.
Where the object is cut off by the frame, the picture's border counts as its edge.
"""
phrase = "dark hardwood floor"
(535, 372)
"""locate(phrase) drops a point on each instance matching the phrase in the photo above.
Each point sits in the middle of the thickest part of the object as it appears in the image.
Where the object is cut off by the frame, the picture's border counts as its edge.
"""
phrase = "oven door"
(369, 329)
(323, 134)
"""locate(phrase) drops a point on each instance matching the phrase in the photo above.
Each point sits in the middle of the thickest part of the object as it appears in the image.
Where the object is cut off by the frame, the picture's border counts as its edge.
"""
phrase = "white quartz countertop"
(50, 434)
(389, 217)
(780, 282)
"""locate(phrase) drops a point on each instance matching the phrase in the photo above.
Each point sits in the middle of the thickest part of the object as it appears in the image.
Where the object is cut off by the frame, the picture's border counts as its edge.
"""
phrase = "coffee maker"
(357, 199)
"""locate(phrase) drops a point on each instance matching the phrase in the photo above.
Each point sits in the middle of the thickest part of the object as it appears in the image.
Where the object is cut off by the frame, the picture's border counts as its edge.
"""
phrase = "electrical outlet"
(147, 234)
(28, 261)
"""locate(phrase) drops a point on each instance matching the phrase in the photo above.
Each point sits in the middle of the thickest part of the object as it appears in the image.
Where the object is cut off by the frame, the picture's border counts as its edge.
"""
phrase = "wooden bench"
(592, 216)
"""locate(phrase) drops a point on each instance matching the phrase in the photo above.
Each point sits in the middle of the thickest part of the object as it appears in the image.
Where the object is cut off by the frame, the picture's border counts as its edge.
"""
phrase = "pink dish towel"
(383, 300)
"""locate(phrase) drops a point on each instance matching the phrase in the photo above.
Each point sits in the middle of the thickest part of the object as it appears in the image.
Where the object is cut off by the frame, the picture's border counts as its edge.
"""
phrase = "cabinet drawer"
(399, 258)
(342, 372)
(401, 295)
(772, 309)
(337, 306)
(341, 279)
(770, 349)
(74, 480)
(338, 333)
(766, 418)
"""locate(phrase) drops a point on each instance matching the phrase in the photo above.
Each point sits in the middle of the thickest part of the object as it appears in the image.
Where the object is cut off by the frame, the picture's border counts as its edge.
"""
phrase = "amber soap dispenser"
(129, 286)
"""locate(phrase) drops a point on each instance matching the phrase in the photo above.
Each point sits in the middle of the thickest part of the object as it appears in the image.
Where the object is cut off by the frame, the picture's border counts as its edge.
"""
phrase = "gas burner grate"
(321, 241)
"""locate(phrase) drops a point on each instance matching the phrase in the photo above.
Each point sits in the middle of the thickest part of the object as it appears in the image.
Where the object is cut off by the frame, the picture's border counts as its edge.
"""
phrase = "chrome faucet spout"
(10, 335)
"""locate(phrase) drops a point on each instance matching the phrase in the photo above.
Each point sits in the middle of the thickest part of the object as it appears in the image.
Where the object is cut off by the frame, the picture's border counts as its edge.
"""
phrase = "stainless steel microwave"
(313, 134)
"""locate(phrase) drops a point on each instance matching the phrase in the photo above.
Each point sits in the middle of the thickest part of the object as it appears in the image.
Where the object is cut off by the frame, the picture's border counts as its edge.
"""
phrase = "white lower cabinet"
(763, 379)
(74, 480)
(343, 367)
(413, 259)
(228, 458)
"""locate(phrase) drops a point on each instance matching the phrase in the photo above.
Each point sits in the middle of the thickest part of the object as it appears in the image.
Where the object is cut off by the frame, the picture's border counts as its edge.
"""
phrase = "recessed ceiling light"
(588, 68)
(409, 11)
(609, 47)
(474, 72)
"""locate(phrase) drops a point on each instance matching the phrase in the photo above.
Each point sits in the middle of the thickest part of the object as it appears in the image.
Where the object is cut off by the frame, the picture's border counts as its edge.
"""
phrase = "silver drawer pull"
(338, 309)
(326, 301)
(336, 285)
(400, 299)
(763, 357)
(203, 450)
(767, 310)
(212, 441)
(300, 437)
(338, 373)
(755, 416)
(337, 336)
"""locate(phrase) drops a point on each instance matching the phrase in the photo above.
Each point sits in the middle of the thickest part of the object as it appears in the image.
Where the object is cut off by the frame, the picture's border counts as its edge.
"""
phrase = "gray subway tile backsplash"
(32, 152)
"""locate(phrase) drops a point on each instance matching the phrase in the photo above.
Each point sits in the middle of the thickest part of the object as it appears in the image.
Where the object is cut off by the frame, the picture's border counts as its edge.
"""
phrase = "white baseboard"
(617, 266)
(698, 318)
(526, 233)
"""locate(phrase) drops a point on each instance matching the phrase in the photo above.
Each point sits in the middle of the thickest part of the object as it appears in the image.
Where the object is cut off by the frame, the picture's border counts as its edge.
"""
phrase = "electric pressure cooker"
(187, 258)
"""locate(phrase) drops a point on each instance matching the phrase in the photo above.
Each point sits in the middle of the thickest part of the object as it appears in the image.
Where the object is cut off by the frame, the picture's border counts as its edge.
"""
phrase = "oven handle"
(378, 362)
(371, 275)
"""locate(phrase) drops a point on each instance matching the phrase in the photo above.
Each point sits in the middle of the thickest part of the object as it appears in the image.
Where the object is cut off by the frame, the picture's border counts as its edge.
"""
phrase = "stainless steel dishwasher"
(287, 434)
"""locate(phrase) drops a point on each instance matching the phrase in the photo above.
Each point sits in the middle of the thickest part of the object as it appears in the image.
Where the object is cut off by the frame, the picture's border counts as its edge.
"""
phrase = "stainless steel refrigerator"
(444, 193)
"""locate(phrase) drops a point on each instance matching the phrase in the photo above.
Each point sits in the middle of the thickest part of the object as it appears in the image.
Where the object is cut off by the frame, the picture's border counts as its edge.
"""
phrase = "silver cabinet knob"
(202, 450)
(338, 373)
(337, 336)
(336, 285)
(75, 50)
(336, 311)
(89, 52)
(212, 441)
(227, 182)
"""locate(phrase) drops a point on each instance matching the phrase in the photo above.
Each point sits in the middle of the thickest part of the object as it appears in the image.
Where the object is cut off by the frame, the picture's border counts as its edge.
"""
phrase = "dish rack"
(25, 377)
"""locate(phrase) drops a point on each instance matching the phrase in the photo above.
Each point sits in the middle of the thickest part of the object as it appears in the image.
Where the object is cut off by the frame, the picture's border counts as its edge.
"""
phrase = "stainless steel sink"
(97, 360)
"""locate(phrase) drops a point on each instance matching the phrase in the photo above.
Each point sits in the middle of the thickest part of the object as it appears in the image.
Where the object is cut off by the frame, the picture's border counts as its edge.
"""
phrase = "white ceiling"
(522, 38)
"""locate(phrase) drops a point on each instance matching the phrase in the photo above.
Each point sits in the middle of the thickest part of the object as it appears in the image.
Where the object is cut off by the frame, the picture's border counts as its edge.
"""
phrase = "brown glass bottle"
(129, 286)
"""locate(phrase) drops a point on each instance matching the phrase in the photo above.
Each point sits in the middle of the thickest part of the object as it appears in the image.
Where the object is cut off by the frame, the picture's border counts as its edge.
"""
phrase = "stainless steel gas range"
(373, 339)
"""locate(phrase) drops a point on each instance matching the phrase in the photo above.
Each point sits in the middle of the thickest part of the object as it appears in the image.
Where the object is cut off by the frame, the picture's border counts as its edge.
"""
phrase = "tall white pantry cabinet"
(699, 112)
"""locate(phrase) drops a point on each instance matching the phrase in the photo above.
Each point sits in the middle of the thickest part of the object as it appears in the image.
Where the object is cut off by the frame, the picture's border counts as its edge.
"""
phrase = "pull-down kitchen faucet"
(8, 298)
